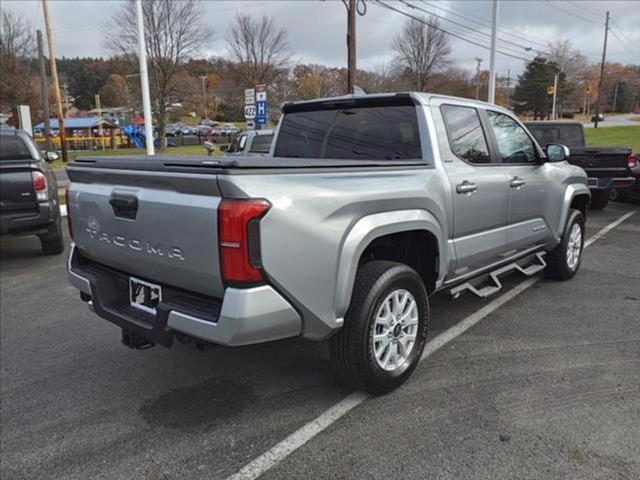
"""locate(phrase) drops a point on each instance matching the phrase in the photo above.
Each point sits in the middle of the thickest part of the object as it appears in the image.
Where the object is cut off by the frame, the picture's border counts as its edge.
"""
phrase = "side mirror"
(51, 156)
(556, 152)
(224, 148)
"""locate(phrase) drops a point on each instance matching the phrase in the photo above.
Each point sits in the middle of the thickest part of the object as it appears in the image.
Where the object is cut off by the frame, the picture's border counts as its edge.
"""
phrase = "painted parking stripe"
(63, 210)
(286, 447)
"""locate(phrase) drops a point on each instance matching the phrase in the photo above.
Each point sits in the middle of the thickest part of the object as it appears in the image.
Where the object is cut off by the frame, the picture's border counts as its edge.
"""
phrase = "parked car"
(251, 142)
(173, 129)
(204, 130)
(229, 130)
(600, 117)
(28, 191)
(370, 204)
(631, 192)
(207, 122)
(606, 167)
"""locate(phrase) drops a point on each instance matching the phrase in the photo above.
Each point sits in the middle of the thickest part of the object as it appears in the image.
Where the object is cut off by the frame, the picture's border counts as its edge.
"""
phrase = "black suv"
(28, 191)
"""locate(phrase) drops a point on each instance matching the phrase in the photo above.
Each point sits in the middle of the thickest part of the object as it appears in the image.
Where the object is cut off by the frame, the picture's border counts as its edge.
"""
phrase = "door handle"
(466, 187)
(517, 182)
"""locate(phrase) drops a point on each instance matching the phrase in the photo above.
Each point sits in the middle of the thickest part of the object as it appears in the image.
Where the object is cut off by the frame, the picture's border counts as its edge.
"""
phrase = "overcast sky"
(317, 28)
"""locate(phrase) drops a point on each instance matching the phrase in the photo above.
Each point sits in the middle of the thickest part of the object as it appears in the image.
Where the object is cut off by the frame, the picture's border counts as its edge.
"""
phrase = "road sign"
(249, 112)
(261, 93)
(261, 112)
(249, 96)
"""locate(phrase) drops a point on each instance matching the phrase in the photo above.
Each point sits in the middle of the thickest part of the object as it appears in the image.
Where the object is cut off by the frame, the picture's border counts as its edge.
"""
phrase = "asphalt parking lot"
(545, 386)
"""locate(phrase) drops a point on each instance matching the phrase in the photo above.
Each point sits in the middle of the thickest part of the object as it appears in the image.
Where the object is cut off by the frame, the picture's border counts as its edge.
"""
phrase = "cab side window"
(466, 136)
(514, 145)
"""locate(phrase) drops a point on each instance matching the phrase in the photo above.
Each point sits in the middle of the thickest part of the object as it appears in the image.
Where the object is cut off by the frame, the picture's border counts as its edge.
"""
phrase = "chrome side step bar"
(482, 292)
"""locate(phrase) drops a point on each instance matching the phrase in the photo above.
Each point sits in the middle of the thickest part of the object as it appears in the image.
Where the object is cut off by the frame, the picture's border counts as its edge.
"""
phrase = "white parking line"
(286, 447)
(63, 210)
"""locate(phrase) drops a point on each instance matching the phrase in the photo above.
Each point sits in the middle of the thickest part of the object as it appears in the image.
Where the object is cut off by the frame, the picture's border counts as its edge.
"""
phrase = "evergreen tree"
(531, 95)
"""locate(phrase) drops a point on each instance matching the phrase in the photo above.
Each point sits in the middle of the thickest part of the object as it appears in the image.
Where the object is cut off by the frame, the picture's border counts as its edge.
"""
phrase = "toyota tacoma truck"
(28, 191)
(608, 168)
(366, 206)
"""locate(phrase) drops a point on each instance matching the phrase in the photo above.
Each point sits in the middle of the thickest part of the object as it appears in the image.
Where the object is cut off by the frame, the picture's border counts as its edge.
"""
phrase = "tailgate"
(601, 162)
(158, 226)
(16, 189)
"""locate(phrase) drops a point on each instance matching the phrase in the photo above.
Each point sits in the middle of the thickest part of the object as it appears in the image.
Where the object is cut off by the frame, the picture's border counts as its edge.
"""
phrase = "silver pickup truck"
(366, 206)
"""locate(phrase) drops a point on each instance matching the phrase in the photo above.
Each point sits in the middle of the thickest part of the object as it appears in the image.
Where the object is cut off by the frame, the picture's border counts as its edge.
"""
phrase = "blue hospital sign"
(261, 112)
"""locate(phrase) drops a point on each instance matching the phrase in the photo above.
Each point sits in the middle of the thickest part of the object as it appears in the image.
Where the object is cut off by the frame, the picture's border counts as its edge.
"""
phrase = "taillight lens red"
(239, 242)
(66, 202)
(39, 181)
(632, 160)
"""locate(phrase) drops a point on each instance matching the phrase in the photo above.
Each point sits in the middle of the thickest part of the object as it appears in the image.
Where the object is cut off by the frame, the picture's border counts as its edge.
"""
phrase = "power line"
(484, 24)
(573, 14)
(613, 32)
(630, 44)
(448, 32)
(523, 47)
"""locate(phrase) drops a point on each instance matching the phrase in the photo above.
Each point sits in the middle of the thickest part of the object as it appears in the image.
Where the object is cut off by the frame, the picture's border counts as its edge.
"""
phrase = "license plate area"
(593, 182)
(144, 295)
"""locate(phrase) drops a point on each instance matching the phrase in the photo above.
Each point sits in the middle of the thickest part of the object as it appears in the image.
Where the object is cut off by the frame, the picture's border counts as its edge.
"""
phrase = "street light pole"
(492, 58)
(144, 81)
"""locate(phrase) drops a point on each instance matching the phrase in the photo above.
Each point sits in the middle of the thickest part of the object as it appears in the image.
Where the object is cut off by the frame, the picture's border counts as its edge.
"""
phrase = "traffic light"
(550, 90)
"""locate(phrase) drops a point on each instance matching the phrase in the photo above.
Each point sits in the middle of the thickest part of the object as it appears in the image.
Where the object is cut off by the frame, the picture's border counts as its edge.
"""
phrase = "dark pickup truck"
(608, 168)
(28, 191)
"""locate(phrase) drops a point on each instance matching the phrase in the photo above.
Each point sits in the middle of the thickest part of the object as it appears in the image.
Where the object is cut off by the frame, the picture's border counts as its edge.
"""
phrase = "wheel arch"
(376, 231)
(575, 196)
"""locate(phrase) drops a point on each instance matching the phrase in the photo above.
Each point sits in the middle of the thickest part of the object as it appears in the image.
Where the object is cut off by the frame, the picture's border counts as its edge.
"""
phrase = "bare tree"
(421, 49)
(259, 48)
(174, 32)
(16, 75)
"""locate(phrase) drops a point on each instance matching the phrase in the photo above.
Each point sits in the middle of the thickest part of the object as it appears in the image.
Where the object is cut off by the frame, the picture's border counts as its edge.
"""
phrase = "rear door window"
(358, 133)
(466, 136)
(261, 143)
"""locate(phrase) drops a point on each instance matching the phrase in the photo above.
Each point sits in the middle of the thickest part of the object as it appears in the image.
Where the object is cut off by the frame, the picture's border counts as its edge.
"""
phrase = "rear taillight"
(40, 186)
(632, 160)
(239, 237)
(66, 202)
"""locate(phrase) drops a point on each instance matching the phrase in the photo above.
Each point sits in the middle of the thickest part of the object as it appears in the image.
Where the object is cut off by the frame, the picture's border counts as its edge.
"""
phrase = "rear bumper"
(242, 317)
(30, 221)
(607, 183)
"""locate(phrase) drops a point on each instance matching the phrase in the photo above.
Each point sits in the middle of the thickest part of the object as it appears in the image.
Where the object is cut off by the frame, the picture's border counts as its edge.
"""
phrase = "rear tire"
(377, 350)
(53, 243)
(564, 261)
(600, 199)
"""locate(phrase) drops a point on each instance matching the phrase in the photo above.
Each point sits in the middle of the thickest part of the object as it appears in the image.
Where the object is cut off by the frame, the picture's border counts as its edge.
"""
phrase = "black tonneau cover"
(195, 163)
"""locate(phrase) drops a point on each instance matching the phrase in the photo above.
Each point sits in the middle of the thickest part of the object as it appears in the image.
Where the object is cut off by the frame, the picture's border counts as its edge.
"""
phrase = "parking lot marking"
(600, 233)
(280, 451)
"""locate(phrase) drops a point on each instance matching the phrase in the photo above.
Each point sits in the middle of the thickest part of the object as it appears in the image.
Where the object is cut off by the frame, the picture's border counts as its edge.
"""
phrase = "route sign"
(249, 112)
(249, 96)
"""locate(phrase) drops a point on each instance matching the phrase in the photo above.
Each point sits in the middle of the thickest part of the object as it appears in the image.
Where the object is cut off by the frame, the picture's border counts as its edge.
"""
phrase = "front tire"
(384, 329)
(600, 199)
(564, 260)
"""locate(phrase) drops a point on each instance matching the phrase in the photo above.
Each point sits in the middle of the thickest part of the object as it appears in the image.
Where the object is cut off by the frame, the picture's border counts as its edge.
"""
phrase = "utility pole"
(615, 96)
(555, 92)
(492, 58)
(601, 83)
(351, 45)
(204, 94)
(44, 93)
(99, 112)
(144, 82)
(479, 60)
(508, 92)
(54, 80)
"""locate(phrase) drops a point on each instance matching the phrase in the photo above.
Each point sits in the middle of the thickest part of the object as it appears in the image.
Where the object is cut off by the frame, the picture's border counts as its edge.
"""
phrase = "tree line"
(259, 51)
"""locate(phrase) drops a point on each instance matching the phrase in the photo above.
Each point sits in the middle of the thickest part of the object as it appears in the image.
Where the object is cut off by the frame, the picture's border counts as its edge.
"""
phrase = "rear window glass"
(359, 133)
(13, 148)
(261, 143)
(570, 135)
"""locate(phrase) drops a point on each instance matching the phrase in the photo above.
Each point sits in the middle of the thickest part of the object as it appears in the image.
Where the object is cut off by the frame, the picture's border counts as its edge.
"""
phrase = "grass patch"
(627, 136)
